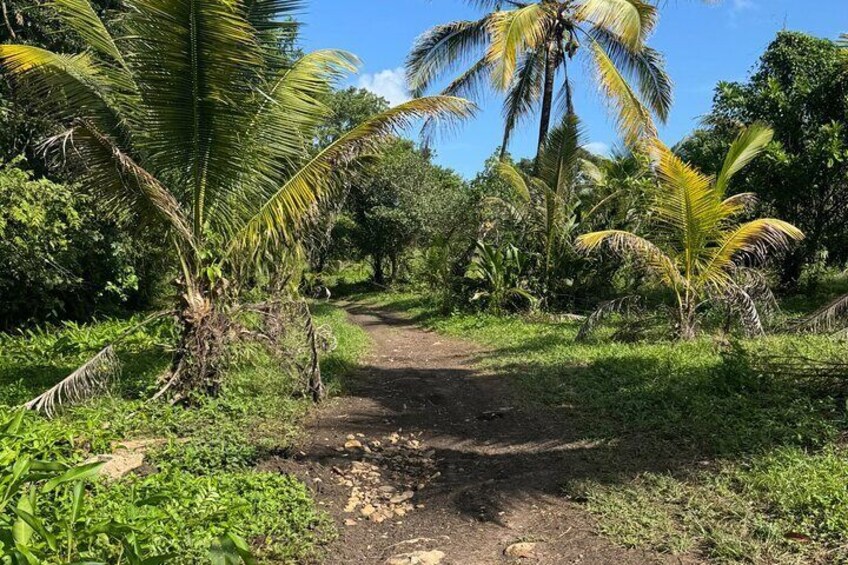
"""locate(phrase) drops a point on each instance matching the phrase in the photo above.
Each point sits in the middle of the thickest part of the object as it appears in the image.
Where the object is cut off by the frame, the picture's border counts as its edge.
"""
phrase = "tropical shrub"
(61, 258)
(698, 248)
(553, 205)
(502, 274)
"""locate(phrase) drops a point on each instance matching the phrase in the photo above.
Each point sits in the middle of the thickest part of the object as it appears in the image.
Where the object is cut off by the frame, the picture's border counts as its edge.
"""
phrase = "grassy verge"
(200, 479)
(698, 451)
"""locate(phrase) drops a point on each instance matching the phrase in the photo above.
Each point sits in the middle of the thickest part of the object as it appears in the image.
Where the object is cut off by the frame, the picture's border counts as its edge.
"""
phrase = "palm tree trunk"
(547, 98)
(195, 366)
(569, 96)
(687, 320)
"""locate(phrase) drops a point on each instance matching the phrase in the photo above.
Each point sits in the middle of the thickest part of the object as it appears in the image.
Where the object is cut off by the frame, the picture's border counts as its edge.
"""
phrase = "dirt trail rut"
(427, 461)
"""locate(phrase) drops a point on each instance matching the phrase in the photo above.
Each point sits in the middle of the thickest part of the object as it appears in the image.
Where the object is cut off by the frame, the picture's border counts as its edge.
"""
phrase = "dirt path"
(428, 455)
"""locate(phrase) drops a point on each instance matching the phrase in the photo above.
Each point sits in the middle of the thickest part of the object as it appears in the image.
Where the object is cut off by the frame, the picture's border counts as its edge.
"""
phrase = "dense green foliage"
(401, 200)
(66, 259)
(32, 23)
(61, 259)
(800, 89)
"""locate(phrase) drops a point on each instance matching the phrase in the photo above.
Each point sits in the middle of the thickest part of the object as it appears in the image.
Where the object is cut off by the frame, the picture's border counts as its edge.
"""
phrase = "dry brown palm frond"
(740, 302)
(830, 317)
(626, 305)
(90, 379)
(288, 331)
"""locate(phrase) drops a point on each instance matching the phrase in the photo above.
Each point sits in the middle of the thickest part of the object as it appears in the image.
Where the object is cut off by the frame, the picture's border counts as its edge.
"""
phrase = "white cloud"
(390, 84)
(742, 5)
(598, 148)
(739, 9)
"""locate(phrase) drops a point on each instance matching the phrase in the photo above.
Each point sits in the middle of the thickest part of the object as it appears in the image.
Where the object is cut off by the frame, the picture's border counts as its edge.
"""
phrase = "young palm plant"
(550, 208)
(524, 51)
(698, 247)
(190, 115)
(501, 270)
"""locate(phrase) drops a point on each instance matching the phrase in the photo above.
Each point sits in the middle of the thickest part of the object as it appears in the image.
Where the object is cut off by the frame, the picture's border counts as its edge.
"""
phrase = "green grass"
(701, 453)
(205, 481)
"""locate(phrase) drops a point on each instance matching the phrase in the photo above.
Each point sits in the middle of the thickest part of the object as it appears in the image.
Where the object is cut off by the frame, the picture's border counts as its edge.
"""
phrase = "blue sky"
(703, 44)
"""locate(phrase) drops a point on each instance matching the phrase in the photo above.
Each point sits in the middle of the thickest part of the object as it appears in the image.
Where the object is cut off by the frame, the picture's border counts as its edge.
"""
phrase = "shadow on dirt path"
(427, 454)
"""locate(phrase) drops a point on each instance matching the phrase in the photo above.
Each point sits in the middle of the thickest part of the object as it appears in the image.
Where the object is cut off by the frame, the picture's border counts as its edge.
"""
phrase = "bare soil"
(428, 453)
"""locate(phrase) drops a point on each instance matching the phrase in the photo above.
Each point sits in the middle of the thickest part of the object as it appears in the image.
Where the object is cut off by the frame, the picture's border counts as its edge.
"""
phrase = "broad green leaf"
(13, 426)
(78, 473)
(21, 529)
(38, 527)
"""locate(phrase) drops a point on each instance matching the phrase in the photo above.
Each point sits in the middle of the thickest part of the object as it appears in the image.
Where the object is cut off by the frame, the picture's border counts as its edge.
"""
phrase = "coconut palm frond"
(79, 15)
(831, 317)
(633, 118)
(751, 241)
(687, 201)
(124, 184)
(628, 244)
(747, 147)
(277, 135)
(64, 86)
(741, 303)
(741, 203)
(276, 221)
(647, 65)
(627, 305)
(560, 161)
(196, 111)
(272, 15)
(515, 179)
(469, 84)
(442, 48)
(629, 20)
(511, 34)
(87, 381)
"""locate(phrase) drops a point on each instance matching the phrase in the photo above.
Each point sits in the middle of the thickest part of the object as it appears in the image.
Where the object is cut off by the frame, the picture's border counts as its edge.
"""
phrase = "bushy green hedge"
(61, 258)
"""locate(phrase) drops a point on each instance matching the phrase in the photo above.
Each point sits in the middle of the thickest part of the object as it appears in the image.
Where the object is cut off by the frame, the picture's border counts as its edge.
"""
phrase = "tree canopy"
(799, 88)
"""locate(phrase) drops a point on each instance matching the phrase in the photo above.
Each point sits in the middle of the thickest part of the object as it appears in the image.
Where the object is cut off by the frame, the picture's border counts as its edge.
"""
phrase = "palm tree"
(698, 247)
(525, 50)
(190, 116)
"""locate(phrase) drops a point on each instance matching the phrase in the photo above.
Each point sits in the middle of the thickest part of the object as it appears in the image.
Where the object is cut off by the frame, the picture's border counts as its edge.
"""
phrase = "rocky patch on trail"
(127, 457)
(417, 558)
(385, 476)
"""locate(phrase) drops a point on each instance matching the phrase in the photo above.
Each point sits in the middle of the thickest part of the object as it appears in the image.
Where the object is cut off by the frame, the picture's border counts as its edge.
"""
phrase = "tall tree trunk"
(569, 96)
(547, 98)
(195, 366)
(377, 263)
